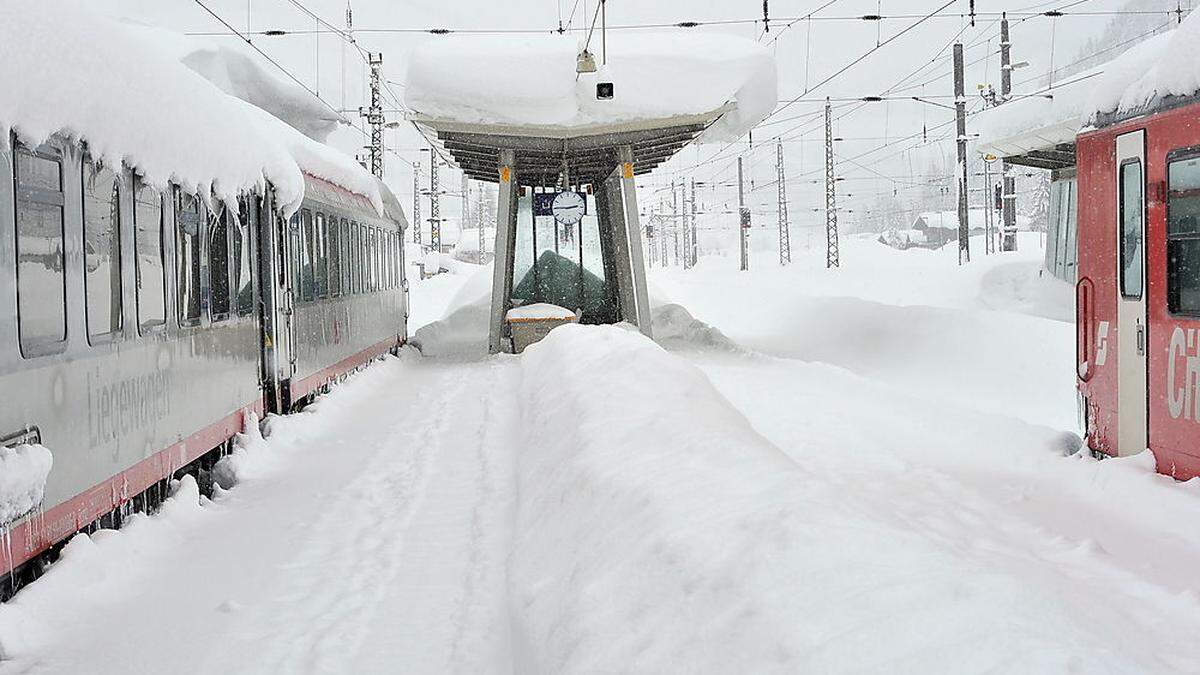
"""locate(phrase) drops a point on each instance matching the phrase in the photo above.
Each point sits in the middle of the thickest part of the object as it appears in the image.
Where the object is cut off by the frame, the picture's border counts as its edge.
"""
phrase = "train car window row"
(41, 261)
(102, 251)
(337, 256)
(1183, 235)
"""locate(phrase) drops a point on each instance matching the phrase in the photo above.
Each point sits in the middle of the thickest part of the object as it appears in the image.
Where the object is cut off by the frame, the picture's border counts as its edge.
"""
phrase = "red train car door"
(1131, 301)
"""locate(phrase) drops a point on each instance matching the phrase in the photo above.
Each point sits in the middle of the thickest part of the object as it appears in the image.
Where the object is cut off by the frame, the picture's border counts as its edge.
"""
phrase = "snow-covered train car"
(172, 262)
(1138, 294)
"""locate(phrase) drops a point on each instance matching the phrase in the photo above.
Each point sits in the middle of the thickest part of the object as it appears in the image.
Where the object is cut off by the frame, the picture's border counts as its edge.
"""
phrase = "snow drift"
(23, 472)
(655, 529)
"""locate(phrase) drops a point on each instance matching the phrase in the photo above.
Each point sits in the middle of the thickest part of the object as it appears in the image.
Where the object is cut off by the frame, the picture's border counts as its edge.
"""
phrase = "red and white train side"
(1138, 292)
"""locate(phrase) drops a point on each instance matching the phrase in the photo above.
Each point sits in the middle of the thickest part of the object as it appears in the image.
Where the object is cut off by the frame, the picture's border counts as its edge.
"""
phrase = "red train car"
(1138, 293)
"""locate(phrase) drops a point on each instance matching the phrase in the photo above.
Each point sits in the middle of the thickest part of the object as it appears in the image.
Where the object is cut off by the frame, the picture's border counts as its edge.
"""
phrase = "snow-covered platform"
(564, 139)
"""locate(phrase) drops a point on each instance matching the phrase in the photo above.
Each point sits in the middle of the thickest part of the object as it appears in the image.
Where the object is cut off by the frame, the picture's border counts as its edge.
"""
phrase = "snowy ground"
(870, 479)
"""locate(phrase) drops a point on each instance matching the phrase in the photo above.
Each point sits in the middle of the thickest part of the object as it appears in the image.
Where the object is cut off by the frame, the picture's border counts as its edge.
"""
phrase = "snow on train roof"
(510, 81)
(65, 69)
(1165, 65)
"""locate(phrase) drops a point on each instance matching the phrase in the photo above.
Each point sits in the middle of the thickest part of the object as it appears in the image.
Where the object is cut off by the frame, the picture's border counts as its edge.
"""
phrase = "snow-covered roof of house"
(67, 70)
(668, 89)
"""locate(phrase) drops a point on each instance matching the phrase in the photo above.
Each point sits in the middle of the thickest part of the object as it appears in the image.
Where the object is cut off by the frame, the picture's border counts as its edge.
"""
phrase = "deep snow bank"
(642, 495)
(23, 472)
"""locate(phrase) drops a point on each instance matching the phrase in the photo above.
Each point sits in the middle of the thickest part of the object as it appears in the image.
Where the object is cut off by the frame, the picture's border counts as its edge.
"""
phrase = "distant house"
(939, 227)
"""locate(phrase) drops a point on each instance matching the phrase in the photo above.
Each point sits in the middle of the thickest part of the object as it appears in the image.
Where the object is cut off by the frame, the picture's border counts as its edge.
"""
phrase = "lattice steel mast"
(416, 214)
(785, 236)
(832, 258)
(374, 115)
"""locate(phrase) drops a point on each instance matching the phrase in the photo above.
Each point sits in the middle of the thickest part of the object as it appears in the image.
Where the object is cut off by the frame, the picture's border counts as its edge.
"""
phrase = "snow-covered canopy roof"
(1038, 123)
(476, 95)
(531, 81)
(67, 70)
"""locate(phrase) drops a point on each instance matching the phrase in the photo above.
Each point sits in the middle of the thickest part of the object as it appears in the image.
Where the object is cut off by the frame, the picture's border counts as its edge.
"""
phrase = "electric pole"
(1008, 194)
(481, 222)
(374, 116)
(960, 116)
(785, 236)
(465, 216)
(832, 256)
(685, 226)
(416, 214)
(435, 211)
(743, 219)
(694, 253)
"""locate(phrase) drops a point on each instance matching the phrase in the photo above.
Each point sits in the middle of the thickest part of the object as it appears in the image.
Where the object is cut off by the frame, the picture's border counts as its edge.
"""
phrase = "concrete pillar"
(506, 238)
(633, 230)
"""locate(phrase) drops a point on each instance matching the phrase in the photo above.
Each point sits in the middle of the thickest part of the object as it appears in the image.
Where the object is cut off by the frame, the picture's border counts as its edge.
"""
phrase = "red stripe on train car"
(38, 533)
(302, 388)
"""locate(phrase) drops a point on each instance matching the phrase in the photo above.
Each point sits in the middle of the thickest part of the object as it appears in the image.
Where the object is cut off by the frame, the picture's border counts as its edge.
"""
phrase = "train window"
(102, 249)
(320, 257)
(374, 253)
(394, 258)
(1183, 236)
(305, 269)
(241, 252)
(356, 256)
(41, 275)
(218, 265)
(187, 255)
(335, 257)
(344, 255)
(1132, 252)
(148, 258)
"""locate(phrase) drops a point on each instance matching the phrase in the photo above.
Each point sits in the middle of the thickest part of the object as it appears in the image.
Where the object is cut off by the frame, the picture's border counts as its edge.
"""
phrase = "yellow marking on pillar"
(505, 174)
(627, 169)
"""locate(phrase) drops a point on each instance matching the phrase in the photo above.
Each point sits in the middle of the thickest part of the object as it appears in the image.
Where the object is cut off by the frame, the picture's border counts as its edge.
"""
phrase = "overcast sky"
(807, 52)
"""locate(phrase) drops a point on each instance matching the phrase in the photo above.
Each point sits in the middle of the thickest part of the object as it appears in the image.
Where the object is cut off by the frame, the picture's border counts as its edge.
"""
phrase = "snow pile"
(532, 81)
(1038, 120)
(1165, 65)
(539, 311)
(676, 329)
(23, 472)
(655, 529)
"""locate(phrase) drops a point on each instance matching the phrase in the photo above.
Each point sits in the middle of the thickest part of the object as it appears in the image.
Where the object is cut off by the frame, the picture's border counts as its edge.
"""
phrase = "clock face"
(568, 207)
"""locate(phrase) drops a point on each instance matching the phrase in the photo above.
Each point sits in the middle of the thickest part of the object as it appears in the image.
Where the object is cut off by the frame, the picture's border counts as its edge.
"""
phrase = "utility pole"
(684, 224)
(435, 210)
(675, 225)
(481, 221)
(989, 246)
(695, 250)
(465, 216)
(960, 116)
(832, 255)
(743, 219)
(417, 202)
(374, 116)
(1009, 194)
(785, 236)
